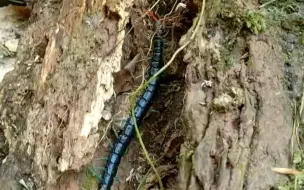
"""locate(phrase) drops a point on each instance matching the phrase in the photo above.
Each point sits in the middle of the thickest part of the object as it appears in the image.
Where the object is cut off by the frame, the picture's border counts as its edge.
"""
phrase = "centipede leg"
(142, 104)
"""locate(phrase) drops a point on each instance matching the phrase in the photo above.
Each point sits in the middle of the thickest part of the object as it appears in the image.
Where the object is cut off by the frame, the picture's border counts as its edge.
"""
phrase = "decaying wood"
(51, 103)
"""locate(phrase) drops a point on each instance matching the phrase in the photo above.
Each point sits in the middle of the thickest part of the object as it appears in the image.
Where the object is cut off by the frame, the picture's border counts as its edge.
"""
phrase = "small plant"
(255, 21)
(299, 164)
(91, 180)
(296, 183)
(296, 174)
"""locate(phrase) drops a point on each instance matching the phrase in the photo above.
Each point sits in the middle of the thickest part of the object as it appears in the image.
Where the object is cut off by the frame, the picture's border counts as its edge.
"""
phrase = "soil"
(222, 117)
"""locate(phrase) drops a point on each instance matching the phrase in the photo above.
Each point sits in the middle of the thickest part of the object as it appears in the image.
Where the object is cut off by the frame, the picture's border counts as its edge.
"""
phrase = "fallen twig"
(287, 171)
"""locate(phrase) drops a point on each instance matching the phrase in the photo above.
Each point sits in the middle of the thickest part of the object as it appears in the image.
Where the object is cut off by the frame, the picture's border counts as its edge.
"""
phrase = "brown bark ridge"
(51, 103)
(240, 124)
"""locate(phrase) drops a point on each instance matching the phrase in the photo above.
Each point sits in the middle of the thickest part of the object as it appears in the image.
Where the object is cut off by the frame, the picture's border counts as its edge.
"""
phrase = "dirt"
(222, 117)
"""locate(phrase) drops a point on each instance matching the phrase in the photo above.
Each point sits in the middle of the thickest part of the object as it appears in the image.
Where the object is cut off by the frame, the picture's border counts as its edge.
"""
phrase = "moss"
(227, 101)
(213, 8)
(255, 21)
(229, 12)
(226, 60)
(222, 102)
(297, 184)
(90, 182)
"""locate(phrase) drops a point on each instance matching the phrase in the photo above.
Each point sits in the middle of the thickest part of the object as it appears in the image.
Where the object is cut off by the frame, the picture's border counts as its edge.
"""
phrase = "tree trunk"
(237, 117)
(241, 123)
(51, 103)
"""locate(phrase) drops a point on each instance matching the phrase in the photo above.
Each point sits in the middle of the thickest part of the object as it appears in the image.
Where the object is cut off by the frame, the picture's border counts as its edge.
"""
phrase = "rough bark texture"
(240, 126)
(51, 103)
(236, 113)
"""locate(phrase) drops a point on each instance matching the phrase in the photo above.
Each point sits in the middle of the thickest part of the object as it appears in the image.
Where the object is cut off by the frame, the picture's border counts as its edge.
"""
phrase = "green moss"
(226, 61)
(90, 182)
(255, 21)
(296, 182)
(230, 13)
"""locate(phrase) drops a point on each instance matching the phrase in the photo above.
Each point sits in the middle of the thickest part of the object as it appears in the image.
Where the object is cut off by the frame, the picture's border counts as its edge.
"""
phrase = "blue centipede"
(142, 106)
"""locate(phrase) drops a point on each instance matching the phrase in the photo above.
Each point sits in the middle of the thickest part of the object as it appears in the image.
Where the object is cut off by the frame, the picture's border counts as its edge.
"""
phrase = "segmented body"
(142, 105)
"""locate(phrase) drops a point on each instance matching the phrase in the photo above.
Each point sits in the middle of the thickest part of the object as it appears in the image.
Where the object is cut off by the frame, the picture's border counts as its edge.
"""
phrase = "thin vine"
(143, 86)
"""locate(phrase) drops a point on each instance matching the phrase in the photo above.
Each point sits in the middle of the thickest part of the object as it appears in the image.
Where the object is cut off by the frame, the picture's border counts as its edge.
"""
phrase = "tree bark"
(51, 103)
(240, 124)
(236, 112)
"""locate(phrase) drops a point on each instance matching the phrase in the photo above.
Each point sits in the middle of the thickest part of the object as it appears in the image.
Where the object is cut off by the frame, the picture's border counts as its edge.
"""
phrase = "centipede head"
(161, 30)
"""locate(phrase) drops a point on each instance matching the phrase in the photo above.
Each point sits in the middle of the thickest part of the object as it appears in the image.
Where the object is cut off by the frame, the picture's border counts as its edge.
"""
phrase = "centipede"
(142, 105)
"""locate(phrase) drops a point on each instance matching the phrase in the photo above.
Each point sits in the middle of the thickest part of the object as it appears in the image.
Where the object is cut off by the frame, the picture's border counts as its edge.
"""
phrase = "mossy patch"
(229, 100)
(255, 21)
(226, 61)
(297, 181)
(90, 182)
